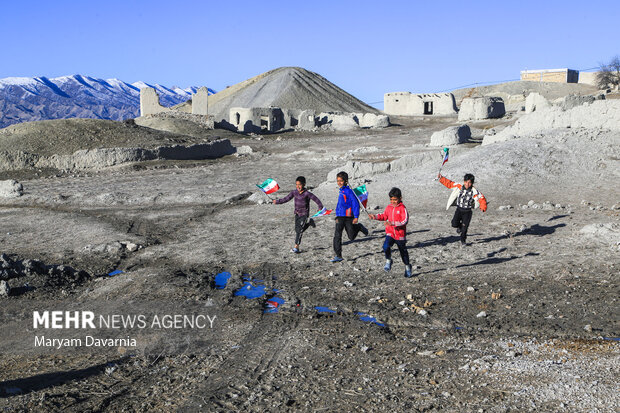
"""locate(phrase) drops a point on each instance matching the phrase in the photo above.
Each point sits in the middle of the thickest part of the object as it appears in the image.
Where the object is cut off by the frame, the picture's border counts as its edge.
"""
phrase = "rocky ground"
(524, 318)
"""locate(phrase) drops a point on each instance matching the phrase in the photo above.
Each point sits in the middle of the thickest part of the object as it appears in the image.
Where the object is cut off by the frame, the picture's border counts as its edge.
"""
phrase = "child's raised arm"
(446, 182)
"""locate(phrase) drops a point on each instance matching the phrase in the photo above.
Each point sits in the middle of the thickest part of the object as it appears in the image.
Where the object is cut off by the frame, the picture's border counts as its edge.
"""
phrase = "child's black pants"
(344, 223)
(461, 219)
(301, 224)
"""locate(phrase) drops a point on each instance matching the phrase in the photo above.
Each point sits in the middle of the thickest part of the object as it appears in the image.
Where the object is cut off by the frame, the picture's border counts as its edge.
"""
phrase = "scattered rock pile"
(453, 135)
(52, 275)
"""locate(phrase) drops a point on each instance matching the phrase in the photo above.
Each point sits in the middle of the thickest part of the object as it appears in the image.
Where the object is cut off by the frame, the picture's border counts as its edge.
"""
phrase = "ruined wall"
(200, 102)
(256, 120)
(149, 102)
(409, 104)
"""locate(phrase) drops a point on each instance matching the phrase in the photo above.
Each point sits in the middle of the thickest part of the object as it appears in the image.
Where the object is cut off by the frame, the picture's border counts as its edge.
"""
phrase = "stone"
(131, 247)
(113, 247)
(571, 101)
(370, 120)
(5, 290)
(481, 314)
(535, 101)
(479, 108)
(452, 135)
(11, 189)
(244, 150)
(338, 121)
(588, 328)
(471, 289)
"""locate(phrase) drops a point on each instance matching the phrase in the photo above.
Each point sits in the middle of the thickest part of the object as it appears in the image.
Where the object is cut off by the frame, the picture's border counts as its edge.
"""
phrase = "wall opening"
(428, 108)
(264, 122)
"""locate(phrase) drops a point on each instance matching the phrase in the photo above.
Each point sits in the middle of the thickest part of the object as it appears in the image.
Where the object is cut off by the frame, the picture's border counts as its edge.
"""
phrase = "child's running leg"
(466, 220)
(300, 227)
(352, 230)
(387, 247)
(340, 225)
(456, 219)
(404, 254)
(387, 250)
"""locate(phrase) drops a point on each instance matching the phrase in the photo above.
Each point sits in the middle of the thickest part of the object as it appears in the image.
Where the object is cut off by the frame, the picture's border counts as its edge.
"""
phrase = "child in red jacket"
(396, 218)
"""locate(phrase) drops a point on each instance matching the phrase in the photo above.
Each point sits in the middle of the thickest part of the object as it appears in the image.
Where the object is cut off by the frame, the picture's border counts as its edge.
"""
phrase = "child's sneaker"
(388, 265)
(337, 259)
(295, 250)
(408, 273)
(363, 230)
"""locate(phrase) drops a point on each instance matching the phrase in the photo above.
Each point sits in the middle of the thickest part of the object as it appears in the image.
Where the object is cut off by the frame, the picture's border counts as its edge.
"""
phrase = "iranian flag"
(269, 186)
(322, 212)
(445, 156)
(362, 194)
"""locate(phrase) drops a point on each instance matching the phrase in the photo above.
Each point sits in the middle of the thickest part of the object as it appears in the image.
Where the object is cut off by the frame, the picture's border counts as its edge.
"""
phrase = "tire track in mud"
(254, 360)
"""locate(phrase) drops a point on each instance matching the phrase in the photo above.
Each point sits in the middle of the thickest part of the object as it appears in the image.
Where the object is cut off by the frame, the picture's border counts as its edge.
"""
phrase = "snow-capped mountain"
(25, 99)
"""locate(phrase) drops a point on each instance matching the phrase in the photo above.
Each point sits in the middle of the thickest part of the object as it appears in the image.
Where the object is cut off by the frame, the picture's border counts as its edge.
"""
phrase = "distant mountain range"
(25, 99)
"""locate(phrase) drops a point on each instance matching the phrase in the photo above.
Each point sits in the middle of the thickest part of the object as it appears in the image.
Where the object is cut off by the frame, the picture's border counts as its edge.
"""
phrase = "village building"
(410, 104)
(551, 75)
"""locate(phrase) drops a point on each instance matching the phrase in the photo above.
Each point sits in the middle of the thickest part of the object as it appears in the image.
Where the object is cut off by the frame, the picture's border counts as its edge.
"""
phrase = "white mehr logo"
(63, 319)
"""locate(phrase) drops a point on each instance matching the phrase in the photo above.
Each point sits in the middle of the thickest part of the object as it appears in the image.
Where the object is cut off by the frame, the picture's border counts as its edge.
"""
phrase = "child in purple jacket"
(302, 209)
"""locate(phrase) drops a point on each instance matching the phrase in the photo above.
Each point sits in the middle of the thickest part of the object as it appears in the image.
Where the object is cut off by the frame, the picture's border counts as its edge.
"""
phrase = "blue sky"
(367, 48)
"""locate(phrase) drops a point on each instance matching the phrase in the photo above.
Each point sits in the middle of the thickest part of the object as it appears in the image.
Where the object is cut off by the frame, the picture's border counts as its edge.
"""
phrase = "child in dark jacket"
(302, 209)
(347, 214)
(396, 218)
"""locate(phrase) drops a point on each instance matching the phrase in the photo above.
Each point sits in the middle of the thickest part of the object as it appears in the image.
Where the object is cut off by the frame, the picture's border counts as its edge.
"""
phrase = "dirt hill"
(286, 87)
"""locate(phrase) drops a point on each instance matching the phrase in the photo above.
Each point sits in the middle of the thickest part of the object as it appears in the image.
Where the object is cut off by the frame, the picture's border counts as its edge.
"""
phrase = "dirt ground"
(524, 318)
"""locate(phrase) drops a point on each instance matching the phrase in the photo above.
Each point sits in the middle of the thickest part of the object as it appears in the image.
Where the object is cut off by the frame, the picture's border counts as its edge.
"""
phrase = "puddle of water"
(221, 280)
(369, 319)
(115, 272)
(250, 291)
(324, 310)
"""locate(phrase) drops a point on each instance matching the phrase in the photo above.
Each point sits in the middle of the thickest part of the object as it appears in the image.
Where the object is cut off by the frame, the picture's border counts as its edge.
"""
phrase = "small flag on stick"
(322, 213)
(445, 156)
(362, 195)
(269, 186)
(446, 152)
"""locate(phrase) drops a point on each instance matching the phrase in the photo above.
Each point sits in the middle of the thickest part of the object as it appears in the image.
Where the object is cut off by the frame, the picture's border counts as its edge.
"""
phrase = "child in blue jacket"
(347, 214)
